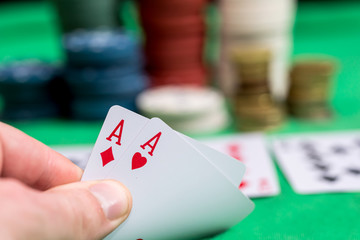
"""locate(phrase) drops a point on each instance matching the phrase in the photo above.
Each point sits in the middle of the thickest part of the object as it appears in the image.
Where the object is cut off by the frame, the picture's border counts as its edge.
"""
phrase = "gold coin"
(250, 55)
(324, 65)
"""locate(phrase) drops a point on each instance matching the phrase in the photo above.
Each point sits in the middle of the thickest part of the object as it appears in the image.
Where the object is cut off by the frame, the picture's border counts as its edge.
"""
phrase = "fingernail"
(113, 198)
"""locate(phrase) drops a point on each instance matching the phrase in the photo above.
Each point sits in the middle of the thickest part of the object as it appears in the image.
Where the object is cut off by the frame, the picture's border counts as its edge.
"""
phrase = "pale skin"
(41, 196)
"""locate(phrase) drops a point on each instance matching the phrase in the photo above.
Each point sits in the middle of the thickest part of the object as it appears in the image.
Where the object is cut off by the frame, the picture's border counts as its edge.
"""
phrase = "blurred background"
(207, 68)
(274, 66)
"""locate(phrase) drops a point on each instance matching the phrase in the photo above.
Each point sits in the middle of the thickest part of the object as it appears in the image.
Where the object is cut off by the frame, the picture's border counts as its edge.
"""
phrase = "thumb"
(90, 210)
(81, 210)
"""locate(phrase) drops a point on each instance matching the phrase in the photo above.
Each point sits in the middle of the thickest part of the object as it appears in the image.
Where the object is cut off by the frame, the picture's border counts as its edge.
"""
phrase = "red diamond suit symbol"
(107, 156)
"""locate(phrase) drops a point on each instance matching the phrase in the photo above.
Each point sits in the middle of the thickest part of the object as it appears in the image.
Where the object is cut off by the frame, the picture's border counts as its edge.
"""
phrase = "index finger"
(32, 162)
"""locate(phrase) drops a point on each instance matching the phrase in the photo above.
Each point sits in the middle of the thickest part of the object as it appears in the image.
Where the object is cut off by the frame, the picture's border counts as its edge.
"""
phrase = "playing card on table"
(260, 179)
(318, 163)
(120, 127)
(177, 192)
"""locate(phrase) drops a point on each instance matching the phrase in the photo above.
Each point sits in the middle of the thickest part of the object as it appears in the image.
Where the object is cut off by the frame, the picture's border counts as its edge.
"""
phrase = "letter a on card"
(139, 161)
(148, 143)
(118, 128)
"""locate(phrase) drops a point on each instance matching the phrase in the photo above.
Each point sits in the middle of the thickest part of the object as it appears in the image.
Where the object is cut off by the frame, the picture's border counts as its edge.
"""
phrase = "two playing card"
(181, 188)
(319, 163)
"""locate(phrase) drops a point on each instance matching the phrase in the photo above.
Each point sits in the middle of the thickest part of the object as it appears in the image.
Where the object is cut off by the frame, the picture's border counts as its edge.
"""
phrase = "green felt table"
(330, 27)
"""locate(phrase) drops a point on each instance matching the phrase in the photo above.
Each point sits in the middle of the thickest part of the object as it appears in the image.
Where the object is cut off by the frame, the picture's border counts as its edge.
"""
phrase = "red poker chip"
(163, 55)
(199, 71)
(193, 25)
(173, 63)
(163, 67)
(156, 82)
(194, 84)
(174, 53)
(156, 21)
(187, 77)
(173, 7)
(174, 32)
(174, 59)
(172, 4)
(184, 45)
(187, 40)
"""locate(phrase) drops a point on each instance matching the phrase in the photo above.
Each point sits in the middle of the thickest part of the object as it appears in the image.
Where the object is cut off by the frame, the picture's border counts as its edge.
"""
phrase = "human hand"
(41, 196)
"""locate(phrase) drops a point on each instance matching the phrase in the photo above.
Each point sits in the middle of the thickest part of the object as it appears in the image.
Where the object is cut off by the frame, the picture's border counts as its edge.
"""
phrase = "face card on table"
(120, 127)
(318, 163)
(260, 178)
(173, 185)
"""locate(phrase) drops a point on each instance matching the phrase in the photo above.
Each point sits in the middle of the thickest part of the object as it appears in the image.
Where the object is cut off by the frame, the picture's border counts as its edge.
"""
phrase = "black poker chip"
(97, 108)
(26, 80)
(102, 83)
(101, 48)
(24, 87)
(103, 68)
(30, 111)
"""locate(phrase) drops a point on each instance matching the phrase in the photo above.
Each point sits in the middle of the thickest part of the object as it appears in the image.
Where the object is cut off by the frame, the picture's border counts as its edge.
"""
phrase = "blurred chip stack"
(104, 68)
(87, 14)
(187, 109)
(174, 41)
(254, 107)
(264, 23)
(24, 86)
(310, 82)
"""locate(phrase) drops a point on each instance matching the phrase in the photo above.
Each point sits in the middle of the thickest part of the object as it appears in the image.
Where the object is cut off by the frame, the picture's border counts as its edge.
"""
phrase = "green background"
(328, 27)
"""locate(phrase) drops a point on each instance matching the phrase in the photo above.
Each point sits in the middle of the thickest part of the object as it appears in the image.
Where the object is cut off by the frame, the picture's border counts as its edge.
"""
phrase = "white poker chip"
(256, 16)
(208, 123)
(186, 109)
(179, 101)
(258, 6)
(265, 27)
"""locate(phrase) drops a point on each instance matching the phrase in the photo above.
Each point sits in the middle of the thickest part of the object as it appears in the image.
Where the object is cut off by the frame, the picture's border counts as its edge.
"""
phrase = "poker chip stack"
(249, 23)
(187, 109)
(87, 14)
(174, 41)
(310, 82)
(24, 86)
(104, 68)
(254, 107)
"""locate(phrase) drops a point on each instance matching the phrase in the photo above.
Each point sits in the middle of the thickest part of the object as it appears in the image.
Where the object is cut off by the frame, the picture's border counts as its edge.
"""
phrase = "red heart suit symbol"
(138, 161)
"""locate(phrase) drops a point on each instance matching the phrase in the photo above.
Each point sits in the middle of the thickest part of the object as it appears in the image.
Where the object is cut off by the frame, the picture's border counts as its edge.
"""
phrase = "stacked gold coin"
(309, 92)
(254, 107)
